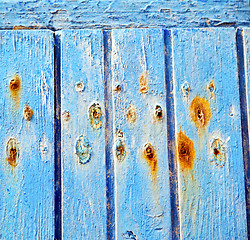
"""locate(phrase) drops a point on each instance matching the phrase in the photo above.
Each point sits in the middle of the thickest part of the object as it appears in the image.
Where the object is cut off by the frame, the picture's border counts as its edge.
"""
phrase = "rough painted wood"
(27, 196)
(244, 61)
(83, 184)
(212, 196)
(142, 188)
(62, 14)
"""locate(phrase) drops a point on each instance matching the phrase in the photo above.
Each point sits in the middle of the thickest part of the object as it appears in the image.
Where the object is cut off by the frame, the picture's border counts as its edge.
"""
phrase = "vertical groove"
(171, 136)
(110, 193)
(244, 118)
(57, 132)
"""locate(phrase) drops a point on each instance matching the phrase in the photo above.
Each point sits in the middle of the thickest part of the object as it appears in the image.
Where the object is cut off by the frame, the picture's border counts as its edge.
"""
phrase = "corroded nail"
(158, 112)
(27, 112)
(218, 152)
(95, 116)
(79, 87)
(15, 84)
(66, 116)
(12, 152)
(117, 87)
(120, 150)
(131, 114)
(83, 149)
(143, 83)
(200, 111)
(185, 88)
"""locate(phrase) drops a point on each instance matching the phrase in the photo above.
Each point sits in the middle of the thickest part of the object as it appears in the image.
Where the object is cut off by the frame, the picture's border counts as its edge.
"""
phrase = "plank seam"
(244, 118)
(173, 176)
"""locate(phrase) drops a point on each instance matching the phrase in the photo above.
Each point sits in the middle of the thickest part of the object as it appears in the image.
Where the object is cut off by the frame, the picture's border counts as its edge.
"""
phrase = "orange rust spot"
(12, 152)
(150, 155)
(200, 111)
(15, 88)
(186, 152)
(27, 112)
(12, 157)
(143, 83)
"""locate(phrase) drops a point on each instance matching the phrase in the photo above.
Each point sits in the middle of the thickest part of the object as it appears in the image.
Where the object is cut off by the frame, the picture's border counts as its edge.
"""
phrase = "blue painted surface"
(212, 197)
(142, 191)
(83, 185)
(63, 14)
(27, 190)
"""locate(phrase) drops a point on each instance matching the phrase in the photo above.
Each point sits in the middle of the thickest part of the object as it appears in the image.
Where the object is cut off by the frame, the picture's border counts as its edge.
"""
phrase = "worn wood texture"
(62, 14)
(83, 165)
(140, 135)
(244, 74)
(27, 164)
(208, 128)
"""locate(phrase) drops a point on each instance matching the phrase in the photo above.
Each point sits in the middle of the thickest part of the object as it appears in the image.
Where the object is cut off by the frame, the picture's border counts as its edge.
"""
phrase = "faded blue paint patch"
(116, 14)
(83, 149)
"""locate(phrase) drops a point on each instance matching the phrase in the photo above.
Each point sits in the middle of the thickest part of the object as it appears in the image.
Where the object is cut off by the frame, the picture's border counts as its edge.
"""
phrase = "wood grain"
(212, 194)
(27, 196)
(83, 178)
(140, 150)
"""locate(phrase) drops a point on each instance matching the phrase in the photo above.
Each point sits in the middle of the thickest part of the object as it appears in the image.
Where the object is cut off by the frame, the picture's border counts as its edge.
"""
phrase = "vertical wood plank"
(83, 136)
(140, 135)
(208, 125)
(26, 172)
(243, 43)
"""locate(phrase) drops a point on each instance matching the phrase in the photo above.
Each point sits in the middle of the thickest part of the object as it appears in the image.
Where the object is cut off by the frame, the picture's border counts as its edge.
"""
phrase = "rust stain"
(15, 88)
(151, 157)
(200, 111)
(27, 112)
(211, 87)
(143, 83)
(131, 114)
(12, 152)
(185, 151)
(20, 27)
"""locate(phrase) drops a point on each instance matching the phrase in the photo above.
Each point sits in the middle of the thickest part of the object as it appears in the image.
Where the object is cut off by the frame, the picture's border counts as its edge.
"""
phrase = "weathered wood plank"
(140, 135)
(26, 172)
(243, 42)
(83, 135)
(208, 125)
(63, 14)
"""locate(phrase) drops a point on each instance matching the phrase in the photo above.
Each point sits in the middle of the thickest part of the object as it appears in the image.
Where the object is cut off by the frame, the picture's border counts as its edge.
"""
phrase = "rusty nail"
(218, 152)
(66, 115)
(95, 116)
(79, 87)
(27, 112)
(131, 114)
(158, 112)
(120, 151)
(15, 84)
(12, 152)
(117, 87)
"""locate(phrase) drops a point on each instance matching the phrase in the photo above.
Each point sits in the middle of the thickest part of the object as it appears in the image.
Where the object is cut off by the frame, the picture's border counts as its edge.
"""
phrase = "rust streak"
(151, 157)
(186, 151)
(143, 83)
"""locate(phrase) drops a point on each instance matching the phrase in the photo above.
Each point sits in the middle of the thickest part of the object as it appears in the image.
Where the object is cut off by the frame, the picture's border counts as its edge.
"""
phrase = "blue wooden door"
(125, 134)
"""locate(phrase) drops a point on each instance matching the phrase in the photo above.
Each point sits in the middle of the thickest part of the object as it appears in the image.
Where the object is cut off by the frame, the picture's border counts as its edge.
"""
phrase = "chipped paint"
(83, 149)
